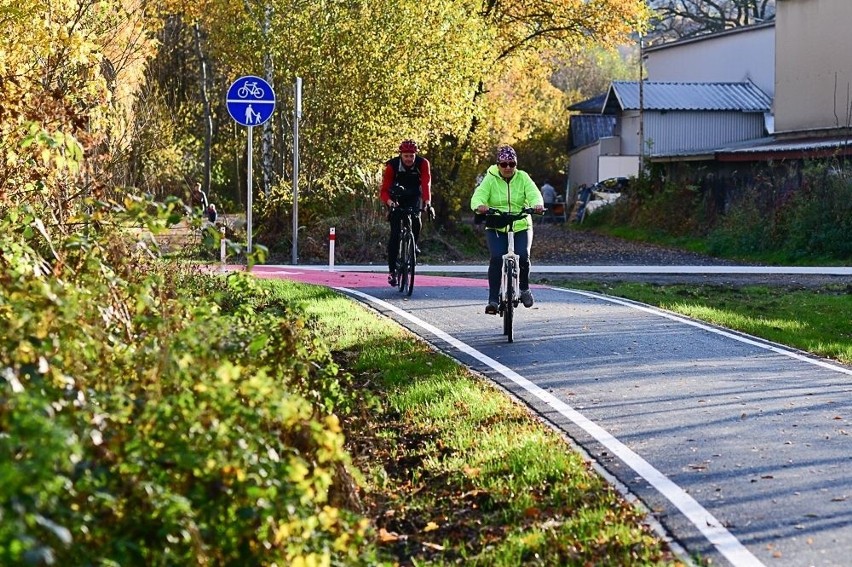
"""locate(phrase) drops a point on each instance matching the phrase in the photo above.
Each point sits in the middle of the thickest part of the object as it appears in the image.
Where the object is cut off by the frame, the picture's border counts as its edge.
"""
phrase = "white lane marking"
(746, 340)
(703, 520)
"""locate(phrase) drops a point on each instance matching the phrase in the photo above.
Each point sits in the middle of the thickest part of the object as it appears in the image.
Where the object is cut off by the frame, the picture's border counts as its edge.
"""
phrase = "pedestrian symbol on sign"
(252, 117)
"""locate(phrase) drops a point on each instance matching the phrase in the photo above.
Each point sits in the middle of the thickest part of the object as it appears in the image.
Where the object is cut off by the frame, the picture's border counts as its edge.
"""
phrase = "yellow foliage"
(66, 74)
(521, 100)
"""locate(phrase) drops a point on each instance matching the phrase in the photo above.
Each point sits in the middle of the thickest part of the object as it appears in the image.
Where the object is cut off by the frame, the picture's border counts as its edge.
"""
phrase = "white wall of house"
(589, 165)
(814, 68)
(583, 167)
(736, 56)
(627, 127)
(618, 166)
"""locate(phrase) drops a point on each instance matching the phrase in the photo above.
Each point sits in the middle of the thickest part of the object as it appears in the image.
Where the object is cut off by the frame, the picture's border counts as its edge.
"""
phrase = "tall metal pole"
(297, 114)
(641, 109)
(248, 190)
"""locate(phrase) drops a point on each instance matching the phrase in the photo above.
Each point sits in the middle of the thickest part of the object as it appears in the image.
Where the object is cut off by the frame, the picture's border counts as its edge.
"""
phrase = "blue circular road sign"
(250, 101)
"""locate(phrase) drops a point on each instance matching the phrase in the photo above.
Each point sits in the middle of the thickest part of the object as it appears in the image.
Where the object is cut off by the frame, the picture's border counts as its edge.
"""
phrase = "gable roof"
(590, 105)
(743, 97)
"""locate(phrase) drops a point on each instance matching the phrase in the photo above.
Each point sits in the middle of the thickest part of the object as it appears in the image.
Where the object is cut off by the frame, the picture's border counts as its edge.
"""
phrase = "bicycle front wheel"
(509, 309)
(402, 265)
(410, 262)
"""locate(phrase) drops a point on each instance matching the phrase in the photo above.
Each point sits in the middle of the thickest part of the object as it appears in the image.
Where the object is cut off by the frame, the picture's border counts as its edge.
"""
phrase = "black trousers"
(395, 218)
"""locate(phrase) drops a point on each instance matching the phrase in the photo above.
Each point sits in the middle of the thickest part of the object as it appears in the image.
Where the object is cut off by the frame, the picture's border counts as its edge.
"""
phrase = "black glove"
(430, 213)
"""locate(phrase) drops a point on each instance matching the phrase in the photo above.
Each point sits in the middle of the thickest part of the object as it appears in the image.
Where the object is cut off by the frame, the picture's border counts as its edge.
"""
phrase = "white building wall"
(583, 167)
(814, 71)
(618, 166)
(745, 54)
(628, 130)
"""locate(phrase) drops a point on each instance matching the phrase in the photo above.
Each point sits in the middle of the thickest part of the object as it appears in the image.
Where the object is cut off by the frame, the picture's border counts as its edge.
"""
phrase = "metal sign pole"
(248, 191)
(297, 114)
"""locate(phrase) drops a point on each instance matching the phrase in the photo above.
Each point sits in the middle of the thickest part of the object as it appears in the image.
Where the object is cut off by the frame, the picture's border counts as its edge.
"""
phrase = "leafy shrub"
(819, 217)
(152, 415)
(775, 216)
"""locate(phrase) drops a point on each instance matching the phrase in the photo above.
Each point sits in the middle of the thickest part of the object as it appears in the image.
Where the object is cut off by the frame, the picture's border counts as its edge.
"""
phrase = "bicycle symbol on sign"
(250, 88)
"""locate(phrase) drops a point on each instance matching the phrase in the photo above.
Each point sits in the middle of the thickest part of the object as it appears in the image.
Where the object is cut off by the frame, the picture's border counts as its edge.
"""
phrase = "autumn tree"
(68, 74)
(373, 74)
(529, 34)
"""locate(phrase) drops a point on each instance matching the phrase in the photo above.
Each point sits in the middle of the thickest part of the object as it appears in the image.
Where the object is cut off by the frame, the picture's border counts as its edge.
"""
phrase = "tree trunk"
(205, 104)
(268, 140)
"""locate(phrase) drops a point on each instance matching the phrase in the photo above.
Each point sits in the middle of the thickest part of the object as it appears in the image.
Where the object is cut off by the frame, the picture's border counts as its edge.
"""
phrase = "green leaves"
(152, 415)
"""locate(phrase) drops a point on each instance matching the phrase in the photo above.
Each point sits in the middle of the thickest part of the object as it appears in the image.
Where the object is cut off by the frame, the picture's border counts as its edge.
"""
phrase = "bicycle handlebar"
(520, 214)
(504, 216)
(406, 210)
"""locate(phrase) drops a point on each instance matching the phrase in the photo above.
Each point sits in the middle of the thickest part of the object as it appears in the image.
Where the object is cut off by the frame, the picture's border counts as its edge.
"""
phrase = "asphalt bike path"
(740, 448)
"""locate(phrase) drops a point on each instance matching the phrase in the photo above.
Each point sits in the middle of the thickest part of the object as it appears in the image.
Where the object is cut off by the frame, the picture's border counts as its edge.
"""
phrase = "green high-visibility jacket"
(507, 195)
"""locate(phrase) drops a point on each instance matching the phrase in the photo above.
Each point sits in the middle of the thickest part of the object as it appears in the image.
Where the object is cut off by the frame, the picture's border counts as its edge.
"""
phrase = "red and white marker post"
(331, 249)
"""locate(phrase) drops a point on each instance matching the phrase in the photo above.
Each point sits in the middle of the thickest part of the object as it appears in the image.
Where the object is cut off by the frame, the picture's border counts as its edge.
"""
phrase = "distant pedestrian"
(211, 213)
(199, 197)
(548, 193)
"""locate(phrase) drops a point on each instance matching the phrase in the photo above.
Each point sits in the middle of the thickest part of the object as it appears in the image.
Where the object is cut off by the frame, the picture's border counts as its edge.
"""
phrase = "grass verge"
(812, 320)
(452, 471)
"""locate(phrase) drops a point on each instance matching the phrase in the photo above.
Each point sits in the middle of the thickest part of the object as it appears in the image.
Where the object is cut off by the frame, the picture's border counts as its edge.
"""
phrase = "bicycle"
(406, 258)
(510, 294)
(250, 88)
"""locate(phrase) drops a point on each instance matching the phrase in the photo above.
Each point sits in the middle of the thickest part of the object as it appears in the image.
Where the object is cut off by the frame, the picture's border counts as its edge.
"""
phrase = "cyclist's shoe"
(392, 280)
(527, 298)
(491, 308)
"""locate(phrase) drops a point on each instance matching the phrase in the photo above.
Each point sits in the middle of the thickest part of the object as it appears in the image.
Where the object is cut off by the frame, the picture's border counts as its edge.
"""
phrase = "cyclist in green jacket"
(507, 188)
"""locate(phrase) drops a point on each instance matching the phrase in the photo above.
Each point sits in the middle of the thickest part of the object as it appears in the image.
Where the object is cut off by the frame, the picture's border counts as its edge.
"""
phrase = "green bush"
(152, 415)
(764, 221)
(819, 218)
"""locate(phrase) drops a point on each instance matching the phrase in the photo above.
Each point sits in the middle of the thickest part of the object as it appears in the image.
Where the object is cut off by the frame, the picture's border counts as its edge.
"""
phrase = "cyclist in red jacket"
(406, 182)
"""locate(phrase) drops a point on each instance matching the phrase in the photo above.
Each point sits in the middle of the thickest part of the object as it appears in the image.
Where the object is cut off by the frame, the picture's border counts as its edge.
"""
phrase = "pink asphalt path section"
(354, 279)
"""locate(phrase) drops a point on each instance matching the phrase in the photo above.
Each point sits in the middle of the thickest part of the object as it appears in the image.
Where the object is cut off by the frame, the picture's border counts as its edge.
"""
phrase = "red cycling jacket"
(395, 165)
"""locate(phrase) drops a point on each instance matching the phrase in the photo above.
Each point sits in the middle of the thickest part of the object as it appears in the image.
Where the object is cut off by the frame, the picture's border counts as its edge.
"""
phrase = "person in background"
(211, 213)
(406, 182)
(200, 197)
(507, 188)
(548, 193)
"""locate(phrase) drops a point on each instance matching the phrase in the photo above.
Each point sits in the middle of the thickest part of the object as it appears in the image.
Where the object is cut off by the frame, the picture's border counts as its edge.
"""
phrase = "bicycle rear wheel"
(410, 262)
(509, 309)
(402, 276)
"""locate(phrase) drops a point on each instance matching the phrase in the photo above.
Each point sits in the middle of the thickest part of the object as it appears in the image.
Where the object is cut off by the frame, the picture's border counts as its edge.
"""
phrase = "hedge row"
(152, 415)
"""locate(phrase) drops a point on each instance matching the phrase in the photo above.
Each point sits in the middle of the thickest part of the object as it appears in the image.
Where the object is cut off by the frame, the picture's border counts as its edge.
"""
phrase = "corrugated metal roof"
(745, 97)
(769, 147)
(594, 104)
(584, 129)
(774, 145)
